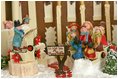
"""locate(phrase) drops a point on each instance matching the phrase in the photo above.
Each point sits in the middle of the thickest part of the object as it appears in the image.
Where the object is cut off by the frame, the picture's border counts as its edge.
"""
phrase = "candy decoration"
(38, 53)
(54, 65)
(67, 73)
(16, 57)
(37, 40)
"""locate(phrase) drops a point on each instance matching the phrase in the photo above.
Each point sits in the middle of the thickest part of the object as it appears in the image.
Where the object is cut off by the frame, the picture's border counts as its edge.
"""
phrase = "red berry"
(30, 48)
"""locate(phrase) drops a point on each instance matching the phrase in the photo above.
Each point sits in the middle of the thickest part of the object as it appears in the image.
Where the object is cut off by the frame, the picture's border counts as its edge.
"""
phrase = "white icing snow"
(82, 68)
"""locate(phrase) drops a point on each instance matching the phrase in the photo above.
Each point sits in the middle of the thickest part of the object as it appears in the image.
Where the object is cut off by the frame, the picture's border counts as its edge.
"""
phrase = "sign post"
(61, 53)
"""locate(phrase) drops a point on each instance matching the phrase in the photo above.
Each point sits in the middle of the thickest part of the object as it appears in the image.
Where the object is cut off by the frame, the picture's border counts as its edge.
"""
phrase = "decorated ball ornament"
(30, 47)
(66, 74)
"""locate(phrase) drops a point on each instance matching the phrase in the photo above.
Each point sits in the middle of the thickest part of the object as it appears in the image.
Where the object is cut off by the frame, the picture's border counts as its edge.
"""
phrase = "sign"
(55, 50)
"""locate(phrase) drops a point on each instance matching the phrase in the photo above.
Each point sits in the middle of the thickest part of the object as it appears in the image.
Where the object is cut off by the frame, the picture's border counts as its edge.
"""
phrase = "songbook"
(27, 30)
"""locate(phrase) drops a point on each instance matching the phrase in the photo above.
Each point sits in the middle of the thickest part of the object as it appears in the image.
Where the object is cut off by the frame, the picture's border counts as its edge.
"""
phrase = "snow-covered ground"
(82, 69)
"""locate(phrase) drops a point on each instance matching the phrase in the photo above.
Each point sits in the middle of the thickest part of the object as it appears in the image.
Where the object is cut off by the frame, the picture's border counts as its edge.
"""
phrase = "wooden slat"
(89, 11)
(24, 6)
(8, 5)
(64, 20)
(113, 22)
(78, 15)
(40, 19)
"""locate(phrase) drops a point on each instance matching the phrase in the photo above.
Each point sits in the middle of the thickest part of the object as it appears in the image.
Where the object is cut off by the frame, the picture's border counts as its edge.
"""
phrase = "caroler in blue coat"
(77, 45)
(18, 35)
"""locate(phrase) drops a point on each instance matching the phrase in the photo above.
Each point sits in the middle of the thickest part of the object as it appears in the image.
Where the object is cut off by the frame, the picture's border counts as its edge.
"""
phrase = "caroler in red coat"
(103, 38)
(86, 32)
(102, 28)
(84, 35)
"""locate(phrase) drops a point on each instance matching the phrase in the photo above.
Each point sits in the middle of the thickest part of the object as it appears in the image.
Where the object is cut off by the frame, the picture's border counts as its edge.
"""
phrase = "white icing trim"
(97, 17)
(115, 10)
(32, 16)
(59, 31)
(3, 14)
(15, 10)
(82, 12)
(48, 13)
(114, 34)
(108, 22)
(97, 11)
(71, 12)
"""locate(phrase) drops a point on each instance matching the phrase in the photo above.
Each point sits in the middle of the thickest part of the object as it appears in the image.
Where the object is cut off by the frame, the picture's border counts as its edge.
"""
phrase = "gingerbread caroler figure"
(102, 28)
(75, 42)
(96, 36)
(99, 37)
(85, 37)
(86, 31)
(72, 31)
